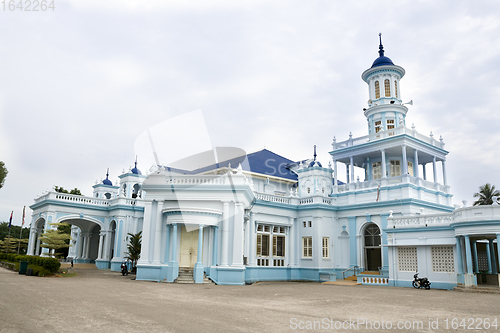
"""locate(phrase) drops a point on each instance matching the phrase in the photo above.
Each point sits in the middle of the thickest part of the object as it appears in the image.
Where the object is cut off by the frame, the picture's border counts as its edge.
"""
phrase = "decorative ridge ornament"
(380, 47)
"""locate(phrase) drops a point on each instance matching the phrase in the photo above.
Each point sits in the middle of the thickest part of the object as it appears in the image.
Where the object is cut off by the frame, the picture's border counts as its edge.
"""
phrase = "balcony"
(90, 201)
(401, 130)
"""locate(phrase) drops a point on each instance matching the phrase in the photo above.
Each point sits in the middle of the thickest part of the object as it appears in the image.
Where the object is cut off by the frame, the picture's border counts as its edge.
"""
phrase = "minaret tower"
(385, 108)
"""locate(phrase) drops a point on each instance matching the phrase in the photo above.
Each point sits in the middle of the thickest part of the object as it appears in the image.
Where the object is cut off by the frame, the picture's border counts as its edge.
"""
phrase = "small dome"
(136, 171)
(107, 182)
(382, 61)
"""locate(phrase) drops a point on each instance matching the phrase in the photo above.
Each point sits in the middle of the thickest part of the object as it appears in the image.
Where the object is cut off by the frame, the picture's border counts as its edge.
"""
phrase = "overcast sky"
(79, 84)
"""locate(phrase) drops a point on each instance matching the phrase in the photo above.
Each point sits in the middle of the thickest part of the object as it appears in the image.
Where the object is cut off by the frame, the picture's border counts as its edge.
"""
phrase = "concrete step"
(351, 278)
(478, 289)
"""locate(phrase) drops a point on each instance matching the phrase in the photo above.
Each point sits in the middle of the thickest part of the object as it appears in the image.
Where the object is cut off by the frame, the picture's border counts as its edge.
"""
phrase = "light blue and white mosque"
(263, 217)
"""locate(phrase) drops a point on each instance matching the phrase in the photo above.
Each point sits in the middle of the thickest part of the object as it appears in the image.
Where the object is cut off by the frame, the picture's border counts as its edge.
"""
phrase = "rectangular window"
(279, 246)
(395, 168)
(396, 88)
(377, 89)
(310, 224)
(262, 245)
(305, 224)
(377, 170)
(407, 259)
(378, 126)
(326, 253)
(442, 259)
(307, 247)
(387, 86)
(390, 124)
(410, 168)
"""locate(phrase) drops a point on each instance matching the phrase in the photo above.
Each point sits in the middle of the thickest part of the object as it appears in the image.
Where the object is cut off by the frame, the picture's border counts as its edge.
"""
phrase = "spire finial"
(315, 152)
(136, 161)
(107, 173)
(380, 47)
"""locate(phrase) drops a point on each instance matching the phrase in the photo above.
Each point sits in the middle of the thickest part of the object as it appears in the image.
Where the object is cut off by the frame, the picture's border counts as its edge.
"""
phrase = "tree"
(3, 173)
(15, 230)
(55, 239)
(134, 249)
(10, 245)
(61, 189)
(485, 195)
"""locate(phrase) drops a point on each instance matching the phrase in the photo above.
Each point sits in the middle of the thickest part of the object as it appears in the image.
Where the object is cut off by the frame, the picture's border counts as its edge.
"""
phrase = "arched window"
(387, 85)
(377, 89)
(373, 253)
(396, 88)
(372, 235)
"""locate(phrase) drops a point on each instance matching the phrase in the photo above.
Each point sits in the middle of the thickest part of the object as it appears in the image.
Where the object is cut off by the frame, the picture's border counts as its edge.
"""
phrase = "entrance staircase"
(186, 276)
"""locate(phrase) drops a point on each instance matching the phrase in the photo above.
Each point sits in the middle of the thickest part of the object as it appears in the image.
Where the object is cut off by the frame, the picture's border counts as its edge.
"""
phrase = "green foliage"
(15, 230)
(10, 245)
(134, 249)
(485, 195)
(61, 189)
(52, 265)
(3, 173)
(55, 239)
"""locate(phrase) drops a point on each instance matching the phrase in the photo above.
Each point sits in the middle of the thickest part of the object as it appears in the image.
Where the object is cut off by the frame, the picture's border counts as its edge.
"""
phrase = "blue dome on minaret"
(107, 181)
(136, 171)
(381, 60)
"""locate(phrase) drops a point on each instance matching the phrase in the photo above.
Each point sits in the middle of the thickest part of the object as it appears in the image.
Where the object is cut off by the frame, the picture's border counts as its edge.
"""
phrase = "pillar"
(216, 245)
(460, 265)
(336, 183)
(101, 241)
(434, 168)
(443, 162)
(173, 267)
(470, 278)
(225, 234)
(352, 242)
(158, 227)
(31, 249)
(198, 267)
(352, 168)
(166, 255)
(347, 174)
(253, 250)
(415, 162)
(238, 235)
(423, 171)
(39, 234)
(498, 249)
(385, 249)
(146, 234)
(174, 243)
(405, 161)
(494, 267)
(474, 256)
(384, 167)
(488, 255)
(291, 242)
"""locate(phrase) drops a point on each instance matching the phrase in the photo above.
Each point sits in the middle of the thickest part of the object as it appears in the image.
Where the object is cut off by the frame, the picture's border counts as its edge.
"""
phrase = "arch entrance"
(372, 249)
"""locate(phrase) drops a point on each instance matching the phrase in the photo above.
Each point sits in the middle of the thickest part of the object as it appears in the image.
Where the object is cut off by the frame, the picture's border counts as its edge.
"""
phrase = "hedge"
(50, 264)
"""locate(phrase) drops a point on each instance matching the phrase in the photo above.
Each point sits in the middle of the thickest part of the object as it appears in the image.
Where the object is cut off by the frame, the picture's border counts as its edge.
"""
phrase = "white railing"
(273, 198)
(370, 184)
(197, 180)
(421, 220)
(385, 134)
(79, 199)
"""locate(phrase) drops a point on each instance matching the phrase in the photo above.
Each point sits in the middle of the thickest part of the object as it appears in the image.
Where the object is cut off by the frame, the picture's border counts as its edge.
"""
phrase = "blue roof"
(107, 182)
(382, 61)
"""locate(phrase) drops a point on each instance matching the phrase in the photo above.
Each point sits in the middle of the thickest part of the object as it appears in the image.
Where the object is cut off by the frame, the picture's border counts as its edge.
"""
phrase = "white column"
(101, 241)
(443, 162)
(247, 238)
(238, 234)
(434, 168)
(335, 173)
(31, 242)
(405, 161)
(158, 229)
(105, 249)
(352, 168)
(347, 173)
(384, 167)
(225, 234)
(39, 234)
(146, 234)
(291, 242)
(424, 175)
(87, 245)
(415, 163)
(252, 241)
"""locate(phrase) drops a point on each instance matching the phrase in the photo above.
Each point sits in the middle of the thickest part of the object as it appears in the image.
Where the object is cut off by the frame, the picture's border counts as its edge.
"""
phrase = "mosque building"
(262, 217)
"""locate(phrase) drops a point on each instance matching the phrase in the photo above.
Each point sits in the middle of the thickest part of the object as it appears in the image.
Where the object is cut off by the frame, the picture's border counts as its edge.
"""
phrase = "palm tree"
(485, 195)
(134, 249)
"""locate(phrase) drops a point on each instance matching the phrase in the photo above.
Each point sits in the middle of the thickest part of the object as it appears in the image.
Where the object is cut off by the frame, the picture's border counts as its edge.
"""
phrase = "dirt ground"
(104, 301)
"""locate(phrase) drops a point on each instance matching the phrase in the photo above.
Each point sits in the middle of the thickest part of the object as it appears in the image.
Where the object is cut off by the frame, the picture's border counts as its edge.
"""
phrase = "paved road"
(104, 301)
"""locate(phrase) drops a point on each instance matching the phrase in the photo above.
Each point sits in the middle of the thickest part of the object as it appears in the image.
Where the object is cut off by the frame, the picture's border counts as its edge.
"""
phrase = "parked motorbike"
(124, 269)
(420, 282)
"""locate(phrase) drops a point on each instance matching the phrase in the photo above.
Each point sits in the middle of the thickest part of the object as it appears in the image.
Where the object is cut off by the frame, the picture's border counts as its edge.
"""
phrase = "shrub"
(52, 265)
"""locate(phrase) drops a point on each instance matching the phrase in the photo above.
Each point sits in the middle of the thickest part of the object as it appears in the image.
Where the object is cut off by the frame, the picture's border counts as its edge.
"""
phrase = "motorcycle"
(420, 282)
(124, 269)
